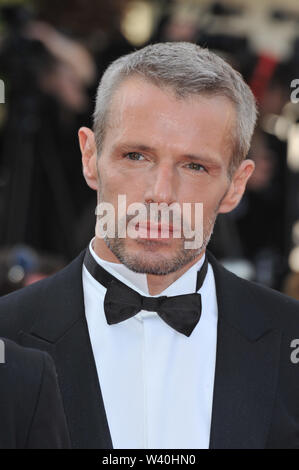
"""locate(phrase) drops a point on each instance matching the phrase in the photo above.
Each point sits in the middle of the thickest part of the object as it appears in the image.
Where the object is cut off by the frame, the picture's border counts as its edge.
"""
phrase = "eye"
(196, 167)
(133, 156)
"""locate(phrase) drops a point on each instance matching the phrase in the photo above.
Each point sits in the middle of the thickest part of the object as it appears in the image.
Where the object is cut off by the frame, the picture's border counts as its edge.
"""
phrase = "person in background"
(31, 410)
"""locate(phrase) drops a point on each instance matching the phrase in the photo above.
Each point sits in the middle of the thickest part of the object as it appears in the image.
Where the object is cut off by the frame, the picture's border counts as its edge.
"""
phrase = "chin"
(155, 259)
(159, 257)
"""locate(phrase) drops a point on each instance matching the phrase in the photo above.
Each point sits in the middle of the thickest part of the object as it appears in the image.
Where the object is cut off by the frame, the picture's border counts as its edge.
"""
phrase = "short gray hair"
(187, 69)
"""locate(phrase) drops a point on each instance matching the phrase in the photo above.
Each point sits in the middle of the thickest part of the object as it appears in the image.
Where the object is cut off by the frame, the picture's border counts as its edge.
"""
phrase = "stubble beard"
(150, 260)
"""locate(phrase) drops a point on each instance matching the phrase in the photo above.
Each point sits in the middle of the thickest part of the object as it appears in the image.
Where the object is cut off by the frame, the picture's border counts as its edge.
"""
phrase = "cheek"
(110, 179)
(114, 183)
(210, 201)
(208, 194)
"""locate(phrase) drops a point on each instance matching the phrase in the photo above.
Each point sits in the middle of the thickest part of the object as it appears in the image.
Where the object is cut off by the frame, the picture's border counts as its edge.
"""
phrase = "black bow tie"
(181, 312)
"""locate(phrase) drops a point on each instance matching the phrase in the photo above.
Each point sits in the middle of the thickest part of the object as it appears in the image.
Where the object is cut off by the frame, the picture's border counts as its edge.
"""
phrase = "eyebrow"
(130, 146)
(204, 158)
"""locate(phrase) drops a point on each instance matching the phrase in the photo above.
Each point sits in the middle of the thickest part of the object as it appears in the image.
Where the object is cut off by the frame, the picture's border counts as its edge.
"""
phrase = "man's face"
(161, 149)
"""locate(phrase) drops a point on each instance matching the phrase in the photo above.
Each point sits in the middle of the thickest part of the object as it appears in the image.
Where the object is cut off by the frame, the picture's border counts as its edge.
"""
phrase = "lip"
(159, 231)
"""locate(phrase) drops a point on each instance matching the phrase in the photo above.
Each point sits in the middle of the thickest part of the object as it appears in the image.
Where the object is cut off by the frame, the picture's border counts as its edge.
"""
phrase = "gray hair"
(188, 70)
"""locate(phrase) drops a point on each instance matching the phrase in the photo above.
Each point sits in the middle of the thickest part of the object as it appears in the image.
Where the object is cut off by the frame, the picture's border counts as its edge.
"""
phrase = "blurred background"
(52, 55)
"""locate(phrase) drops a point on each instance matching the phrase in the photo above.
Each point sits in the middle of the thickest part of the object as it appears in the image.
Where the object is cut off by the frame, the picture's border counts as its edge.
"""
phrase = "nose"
(161, 185)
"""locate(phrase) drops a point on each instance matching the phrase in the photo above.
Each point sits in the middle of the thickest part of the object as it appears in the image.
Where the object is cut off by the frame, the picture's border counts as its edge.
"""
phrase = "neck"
(156, 283)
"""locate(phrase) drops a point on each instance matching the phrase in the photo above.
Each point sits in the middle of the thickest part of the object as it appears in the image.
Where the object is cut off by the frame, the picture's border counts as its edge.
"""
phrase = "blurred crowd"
(52, 55)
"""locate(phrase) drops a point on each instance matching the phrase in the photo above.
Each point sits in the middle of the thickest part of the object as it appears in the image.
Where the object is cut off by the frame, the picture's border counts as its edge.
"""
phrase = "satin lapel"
(247, 359)
(61, 330)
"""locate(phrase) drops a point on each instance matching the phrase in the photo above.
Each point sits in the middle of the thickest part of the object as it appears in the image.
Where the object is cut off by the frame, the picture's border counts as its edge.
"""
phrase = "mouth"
(154, 231)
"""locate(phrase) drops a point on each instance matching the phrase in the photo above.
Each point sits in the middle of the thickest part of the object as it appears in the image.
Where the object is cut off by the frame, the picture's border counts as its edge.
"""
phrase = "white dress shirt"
(157, 384)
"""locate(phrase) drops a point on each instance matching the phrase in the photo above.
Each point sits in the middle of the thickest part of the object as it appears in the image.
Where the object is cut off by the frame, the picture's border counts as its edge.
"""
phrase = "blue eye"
(133, 156)
(196, 167)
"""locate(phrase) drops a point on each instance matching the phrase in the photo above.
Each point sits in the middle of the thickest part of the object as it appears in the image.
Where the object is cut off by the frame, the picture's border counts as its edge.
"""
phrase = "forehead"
(156, 116)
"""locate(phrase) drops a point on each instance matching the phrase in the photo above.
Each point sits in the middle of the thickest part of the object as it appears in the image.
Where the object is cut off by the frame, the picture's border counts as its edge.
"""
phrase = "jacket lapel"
(61, 329)
(246, 374)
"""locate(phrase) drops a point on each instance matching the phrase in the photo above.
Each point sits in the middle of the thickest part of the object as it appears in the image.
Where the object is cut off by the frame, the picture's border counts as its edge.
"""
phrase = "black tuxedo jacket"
(256, 389)
(31, 410)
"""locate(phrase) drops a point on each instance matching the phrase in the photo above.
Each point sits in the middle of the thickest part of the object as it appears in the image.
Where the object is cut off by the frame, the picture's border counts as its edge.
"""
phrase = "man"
(156, 345)
(31, 411)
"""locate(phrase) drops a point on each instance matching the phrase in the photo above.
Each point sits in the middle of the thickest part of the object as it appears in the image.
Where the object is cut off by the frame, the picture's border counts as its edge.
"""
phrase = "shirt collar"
(185, 284)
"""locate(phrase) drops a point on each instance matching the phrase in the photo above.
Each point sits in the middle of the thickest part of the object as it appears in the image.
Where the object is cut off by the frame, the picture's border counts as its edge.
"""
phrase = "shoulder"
(21, 308)
(279, 306)
(255, 300)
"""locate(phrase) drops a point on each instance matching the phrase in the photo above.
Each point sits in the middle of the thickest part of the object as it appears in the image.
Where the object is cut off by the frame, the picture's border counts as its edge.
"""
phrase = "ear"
(237, 186)
(89, 156)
